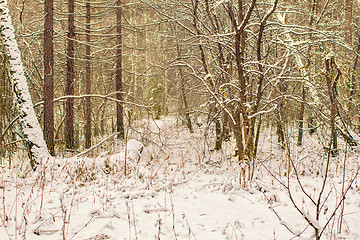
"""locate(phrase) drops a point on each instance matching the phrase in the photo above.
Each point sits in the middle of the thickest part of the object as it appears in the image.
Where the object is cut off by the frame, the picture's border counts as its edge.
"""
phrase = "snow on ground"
(179, 189)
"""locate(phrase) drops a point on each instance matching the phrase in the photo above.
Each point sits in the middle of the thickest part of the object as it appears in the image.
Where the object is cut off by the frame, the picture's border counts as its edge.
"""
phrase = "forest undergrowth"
(181, 188)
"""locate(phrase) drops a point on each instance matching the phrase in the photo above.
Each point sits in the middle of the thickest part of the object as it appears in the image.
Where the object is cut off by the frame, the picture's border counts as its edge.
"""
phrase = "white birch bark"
(32, 131)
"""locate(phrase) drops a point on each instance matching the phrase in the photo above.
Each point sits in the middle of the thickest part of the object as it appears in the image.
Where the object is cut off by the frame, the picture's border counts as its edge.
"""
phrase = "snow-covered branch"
(298, 60)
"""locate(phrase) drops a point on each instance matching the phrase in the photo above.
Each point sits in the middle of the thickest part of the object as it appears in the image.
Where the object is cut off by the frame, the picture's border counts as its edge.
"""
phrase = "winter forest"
(179, 119)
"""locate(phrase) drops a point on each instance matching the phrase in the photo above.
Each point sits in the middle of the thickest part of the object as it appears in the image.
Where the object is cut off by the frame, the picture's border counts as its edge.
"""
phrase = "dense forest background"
(95, 67)
(179, 119)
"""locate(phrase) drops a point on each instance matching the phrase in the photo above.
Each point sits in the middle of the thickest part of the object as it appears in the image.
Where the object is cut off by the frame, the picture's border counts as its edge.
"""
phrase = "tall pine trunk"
(119, 87)
(69, 90)
(49, 77)
(33, 134)
(88, 80)
(1, 124)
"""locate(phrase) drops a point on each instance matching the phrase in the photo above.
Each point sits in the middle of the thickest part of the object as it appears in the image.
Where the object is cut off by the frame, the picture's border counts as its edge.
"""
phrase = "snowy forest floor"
(181, 189)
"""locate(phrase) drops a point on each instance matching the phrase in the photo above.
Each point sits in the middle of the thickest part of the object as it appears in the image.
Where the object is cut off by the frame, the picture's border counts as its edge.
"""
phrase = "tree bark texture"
(49, 77)
(1, 129)
(349, 20)
(33, 134)
(119, 85)
(88, 79)
(3, 108)
(332, 78)
(69, 90)
(301, 116)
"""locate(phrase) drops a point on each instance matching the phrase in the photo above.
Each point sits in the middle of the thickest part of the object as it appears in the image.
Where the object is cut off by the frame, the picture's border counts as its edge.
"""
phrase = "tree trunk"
(33, 134)
(211, 83)
(313, 8)
(349, 20)
(1, 130)
(119, 87)
(312, 90)
(88, 80)
(238, 135)
(249, 146)
(301, 117)
(331, 80)
(69, 90)
(239, 56)
(353, 91)
(184, 98)
(280, 126)
(241, 127)
(227, 94)
(186, 105)
(257, 137)
(49, 77)
(280, 116)
(3, 109)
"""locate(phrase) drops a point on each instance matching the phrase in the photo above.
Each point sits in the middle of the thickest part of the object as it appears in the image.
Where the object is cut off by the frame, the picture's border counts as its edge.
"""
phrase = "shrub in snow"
(134, 149)
(82, 169)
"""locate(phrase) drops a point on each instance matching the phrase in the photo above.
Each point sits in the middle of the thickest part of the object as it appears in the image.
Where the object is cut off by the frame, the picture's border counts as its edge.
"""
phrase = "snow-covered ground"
(181, 189)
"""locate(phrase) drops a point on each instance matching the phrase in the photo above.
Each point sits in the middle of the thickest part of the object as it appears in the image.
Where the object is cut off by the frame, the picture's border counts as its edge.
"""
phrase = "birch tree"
(33, 134)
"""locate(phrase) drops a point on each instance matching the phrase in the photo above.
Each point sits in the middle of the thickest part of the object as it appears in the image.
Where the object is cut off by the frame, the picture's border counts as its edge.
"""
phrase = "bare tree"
(119, 84)
(88, 78)
(69, 128)
(313, 7)
(332, 76)
(239, 45)
(183, 95)
(49, 77)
